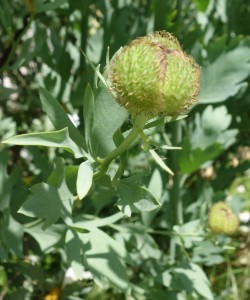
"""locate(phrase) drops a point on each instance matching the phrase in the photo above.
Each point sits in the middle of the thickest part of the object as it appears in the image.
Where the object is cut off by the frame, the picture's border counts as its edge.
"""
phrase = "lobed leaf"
(224, 77)
(192, 277)
(50, 202)
(135, 198)
(103, 255)
(210, 136)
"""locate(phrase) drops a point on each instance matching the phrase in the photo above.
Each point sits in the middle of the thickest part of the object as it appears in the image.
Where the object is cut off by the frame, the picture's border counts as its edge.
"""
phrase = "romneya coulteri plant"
(146, 84)
(153, 79)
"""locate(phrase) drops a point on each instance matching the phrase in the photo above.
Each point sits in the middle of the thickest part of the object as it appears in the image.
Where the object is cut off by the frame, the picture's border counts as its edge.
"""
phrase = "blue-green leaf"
(224, 77)
(58, 139)
(160, 162)
(209, 138)
(108, 117)
(48, 238)
(189, 233)
(103, 254)
(59, 118)
(135, 198)
(6, 181)
(88, 221)
(192, 277)
(104, 257)
(74, 252)
(11, 233)
(84, 179)
(156, 188)
(192, 159)
(45, 202)
(50, 202)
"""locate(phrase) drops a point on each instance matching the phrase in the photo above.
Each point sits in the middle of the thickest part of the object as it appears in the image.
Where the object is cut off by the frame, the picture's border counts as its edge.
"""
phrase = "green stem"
(16, 43)
(175, 195)
(139, 124)
(176, 201)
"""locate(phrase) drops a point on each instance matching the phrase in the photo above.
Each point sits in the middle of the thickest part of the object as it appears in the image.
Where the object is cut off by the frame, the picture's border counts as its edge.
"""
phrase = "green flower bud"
(152, 76)
(221, 219)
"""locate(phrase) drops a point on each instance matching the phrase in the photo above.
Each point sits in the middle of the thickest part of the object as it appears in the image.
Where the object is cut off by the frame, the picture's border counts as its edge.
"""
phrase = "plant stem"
(175, 196)
(138, 126)
(175, 193)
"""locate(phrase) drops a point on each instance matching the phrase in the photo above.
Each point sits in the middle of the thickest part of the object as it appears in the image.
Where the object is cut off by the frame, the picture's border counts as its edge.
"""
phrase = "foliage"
(129, 229)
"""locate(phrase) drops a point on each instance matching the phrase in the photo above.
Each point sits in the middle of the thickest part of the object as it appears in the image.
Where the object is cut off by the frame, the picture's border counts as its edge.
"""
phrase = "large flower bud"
(221, 219)
(152, 76)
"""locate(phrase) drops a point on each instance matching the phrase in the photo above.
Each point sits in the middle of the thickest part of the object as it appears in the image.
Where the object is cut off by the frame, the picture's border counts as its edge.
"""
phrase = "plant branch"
(175, 196)
(137, 128)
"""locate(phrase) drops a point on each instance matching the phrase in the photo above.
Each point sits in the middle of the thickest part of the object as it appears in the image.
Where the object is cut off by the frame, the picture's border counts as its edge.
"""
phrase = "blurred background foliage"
(41, 43)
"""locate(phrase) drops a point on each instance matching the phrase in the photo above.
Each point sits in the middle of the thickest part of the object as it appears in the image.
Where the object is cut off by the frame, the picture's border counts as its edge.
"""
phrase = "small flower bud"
(152, 76)
(221, 219)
